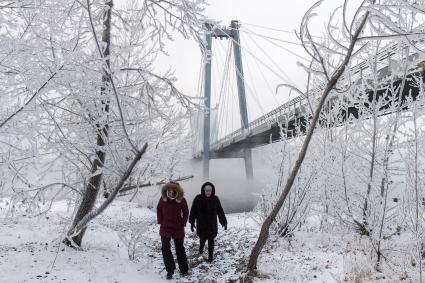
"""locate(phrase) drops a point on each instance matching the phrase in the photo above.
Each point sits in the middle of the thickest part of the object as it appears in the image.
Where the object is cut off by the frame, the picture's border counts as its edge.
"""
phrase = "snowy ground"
(123, 245)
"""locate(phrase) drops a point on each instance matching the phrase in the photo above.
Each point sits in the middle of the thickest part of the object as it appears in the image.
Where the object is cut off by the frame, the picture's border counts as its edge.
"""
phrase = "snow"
(123, 245)
(31, 252)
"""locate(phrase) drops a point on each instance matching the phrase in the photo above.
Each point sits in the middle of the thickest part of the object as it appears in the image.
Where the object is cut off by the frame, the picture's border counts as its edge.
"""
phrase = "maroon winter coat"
(172, 214)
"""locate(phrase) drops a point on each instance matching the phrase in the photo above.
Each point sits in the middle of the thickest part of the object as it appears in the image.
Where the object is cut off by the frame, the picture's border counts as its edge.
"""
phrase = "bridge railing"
(270, 117)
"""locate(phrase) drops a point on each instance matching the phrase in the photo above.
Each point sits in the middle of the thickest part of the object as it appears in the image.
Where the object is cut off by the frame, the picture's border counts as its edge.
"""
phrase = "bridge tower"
(231, 33)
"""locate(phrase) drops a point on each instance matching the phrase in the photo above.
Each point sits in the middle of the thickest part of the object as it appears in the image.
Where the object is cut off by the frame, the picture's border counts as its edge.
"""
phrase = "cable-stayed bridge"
(290, 118)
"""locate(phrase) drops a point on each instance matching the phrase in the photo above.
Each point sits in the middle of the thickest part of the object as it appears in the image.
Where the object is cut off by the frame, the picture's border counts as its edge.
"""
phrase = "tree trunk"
(93, 186)
(364, 226)
(264, 233)
(82, 224)
(387, 153)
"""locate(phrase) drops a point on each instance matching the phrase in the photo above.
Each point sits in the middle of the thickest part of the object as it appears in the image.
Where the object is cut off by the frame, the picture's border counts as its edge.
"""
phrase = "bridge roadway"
(289, 119)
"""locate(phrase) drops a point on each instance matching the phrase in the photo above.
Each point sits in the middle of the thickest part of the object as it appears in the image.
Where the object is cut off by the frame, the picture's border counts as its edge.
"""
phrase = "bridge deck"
(290, 118)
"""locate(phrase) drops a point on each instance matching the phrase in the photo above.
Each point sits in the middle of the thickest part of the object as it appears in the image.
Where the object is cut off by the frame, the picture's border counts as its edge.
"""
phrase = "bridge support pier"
(249, 171)
(207, 102)
(233, 34)
(240, 79)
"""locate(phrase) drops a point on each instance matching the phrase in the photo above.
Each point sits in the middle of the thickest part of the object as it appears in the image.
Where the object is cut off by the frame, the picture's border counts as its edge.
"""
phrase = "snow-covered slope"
(123, 245)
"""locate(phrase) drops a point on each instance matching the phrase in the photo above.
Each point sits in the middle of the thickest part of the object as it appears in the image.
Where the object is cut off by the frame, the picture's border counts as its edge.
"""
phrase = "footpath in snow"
(123, 245)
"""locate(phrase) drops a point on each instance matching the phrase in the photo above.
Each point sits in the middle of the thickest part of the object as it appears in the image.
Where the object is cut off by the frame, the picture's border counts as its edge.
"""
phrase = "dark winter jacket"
(172, 213)
(204, 212)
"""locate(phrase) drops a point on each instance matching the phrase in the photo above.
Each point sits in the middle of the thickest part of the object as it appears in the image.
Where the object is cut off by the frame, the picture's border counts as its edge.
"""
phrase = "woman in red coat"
(172, 214)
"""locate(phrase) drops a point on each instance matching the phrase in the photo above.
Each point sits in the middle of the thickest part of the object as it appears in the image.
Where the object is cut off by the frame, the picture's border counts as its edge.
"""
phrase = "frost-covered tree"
(361, 155)
(83, 99)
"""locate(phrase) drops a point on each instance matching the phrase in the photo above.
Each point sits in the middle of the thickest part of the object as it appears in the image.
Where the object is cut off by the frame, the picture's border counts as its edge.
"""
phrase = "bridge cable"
(200, 86)
(264, 78)
(270, 40)
(245, 29)
(224, 82)
(232, 100)
(227, 102)
(271, 60)
(261, 61)
(225, 72)
(222, 95)
(288, 80)
(273, 29)
(252, 89)
(196, 125)
(248, 87)
(232, 97)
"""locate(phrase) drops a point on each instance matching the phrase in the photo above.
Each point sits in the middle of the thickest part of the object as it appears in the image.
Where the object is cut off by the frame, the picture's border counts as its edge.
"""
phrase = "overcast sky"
(280, 14)
(283, 15)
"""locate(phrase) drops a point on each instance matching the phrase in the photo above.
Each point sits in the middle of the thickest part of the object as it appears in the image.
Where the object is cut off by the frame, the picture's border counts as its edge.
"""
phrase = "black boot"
(168, 257)
(202, 245)
(181, 256)
(186, 273)
(210, 250)
(210, 255)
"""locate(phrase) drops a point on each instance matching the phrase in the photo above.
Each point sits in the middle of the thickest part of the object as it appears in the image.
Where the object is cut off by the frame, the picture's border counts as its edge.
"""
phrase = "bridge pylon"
(231, 33)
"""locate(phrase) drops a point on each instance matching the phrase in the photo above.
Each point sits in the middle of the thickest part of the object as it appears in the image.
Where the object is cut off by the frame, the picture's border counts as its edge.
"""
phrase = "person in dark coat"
(172, 213)
(203, 216)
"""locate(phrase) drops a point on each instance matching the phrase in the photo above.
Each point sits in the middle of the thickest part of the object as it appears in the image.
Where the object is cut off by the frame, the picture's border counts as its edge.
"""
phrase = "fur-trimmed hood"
(175, 187)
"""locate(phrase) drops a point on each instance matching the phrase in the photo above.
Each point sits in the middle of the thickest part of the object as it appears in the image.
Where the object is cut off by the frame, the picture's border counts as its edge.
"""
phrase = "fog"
(236, 193)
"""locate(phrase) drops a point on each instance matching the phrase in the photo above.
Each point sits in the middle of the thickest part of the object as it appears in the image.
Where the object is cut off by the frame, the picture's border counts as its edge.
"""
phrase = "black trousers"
(168, 255)
(210, 246)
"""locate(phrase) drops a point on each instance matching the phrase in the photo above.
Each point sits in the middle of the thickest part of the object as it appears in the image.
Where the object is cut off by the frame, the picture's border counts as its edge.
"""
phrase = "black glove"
(192, 227)
(224, 226)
